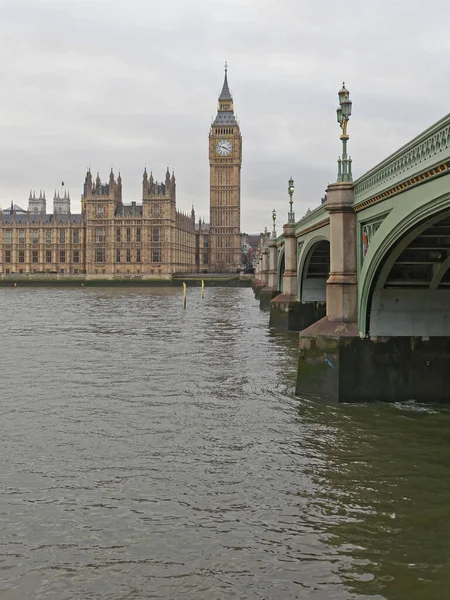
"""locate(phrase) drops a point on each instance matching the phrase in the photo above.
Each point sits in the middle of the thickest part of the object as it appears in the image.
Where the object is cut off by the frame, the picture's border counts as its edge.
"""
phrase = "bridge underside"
(316, 272)
(412, 293)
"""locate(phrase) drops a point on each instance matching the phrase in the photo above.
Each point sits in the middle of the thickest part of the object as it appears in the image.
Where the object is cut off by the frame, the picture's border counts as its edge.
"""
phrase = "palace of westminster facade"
(154, 238)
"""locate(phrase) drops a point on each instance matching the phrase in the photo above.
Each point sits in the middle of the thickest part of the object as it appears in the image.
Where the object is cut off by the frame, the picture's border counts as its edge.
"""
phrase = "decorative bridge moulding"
(312, 227)
(425, 153)
(443, 169)
(368, 230)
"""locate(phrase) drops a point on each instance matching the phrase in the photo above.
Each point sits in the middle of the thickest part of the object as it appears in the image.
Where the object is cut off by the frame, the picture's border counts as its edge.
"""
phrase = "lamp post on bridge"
(291, 215)
(342, 305)
(264, 258)
(343, 112)
(284, 307)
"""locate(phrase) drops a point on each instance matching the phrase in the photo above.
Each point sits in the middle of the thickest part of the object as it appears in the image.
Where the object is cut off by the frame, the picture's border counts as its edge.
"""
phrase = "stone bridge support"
(261, 281)
(322, 343)
(284, 308)
(270, 291)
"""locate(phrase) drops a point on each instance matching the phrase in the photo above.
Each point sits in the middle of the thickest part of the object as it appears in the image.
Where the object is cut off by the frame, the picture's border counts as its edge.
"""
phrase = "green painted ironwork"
(344, 111)
(428, 150)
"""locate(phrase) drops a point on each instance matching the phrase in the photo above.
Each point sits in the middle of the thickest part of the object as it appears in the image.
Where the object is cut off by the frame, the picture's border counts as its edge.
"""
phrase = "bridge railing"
(428, 150)
(312, 218)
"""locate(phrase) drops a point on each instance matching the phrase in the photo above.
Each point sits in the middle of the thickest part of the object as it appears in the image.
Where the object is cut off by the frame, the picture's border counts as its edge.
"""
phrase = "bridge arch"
(313, 270)
(404, 282)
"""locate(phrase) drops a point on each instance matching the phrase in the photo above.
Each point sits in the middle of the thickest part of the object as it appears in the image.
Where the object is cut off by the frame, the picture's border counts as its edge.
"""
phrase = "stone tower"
(61, 204)
(225, 157)
(37, 204)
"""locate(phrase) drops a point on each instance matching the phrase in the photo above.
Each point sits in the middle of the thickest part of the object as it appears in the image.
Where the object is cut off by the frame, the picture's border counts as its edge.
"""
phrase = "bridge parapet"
(427, 155)
(311, 220)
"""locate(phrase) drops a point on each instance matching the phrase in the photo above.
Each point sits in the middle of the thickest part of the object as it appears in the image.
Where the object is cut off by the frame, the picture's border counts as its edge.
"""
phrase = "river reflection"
(154, 452)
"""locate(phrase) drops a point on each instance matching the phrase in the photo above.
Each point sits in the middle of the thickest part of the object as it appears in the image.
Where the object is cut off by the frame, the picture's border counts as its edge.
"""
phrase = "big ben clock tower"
(225, 157)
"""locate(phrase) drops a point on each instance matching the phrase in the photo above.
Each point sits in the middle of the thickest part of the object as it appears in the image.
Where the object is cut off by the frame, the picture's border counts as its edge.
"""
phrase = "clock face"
(223, 147)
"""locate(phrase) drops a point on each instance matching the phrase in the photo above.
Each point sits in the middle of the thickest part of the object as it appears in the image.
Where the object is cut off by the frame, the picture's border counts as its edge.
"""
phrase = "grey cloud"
(130, 84)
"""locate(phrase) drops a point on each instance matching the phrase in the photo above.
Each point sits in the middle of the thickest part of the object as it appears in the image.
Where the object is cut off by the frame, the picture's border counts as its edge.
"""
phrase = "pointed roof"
(225, 94)
(225, 113)
(14, 208)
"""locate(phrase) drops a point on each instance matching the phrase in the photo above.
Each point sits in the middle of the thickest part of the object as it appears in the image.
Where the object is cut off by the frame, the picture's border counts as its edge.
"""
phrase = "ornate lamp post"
(291, 215)
(343, 115)
(274, 218)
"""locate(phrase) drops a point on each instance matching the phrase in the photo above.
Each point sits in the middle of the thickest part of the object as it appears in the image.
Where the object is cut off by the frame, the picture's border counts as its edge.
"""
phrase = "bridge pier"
(392, 369)
(321, 343)
(294, 316)
(270, 291)
(260, 277)
(284, 308)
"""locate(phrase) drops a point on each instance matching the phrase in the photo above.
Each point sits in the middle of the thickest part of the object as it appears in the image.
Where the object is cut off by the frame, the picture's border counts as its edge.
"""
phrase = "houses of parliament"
(150, 238)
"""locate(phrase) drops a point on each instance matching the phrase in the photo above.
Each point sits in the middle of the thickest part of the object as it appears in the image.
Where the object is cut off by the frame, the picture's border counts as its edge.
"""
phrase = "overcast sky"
(135, 83)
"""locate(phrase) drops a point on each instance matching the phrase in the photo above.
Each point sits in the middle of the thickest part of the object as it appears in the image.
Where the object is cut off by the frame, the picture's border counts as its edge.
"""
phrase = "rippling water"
(152, 452)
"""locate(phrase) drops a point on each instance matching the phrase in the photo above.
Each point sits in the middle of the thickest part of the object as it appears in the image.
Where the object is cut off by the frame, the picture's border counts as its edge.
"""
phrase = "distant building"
(107, 238)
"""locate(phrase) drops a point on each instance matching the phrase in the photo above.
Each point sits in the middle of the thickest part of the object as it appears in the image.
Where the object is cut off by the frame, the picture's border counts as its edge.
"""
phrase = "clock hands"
(223, 147)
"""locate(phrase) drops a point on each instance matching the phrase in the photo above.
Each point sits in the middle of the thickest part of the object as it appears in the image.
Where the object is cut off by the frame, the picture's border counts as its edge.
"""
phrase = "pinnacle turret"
(225, 94)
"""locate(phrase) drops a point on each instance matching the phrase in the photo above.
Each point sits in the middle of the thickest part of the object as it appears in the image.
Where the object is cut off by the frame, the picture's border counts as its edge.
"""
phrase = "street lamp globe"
(291, 186)
(342, 93)
(346, 106)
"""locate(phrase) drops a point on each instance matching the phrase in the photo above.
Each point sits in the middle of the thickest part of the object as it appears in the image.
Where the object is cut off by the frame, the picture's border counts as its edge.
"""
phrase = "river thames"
(153, 452)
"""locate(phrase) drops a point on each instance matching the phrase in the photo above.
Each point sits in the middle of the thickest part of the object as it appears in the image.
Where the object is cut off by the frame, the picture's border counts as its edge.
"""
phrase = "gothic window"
(101, 211)
(156, 210)
(48, 239)
(35, 237)
(128, 255)
(100, 255)
(62, 237)
(156, 244)
(156, 234)
(7, 256)
(118, 255)
(8, 236)
(21, 256)
(48, 256)
(138, 255)
(76, 236)
(100, 236)
(118, 234)
(128, 234)
(62, 256)
(21, 236)
(138, 235)
(76, 256)
(35, 256)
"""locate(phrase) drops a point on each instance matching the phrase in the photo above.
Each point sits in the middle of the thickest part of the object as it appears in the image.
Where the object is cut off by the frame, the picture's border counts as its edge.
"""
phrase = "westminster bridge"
(365, 278)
